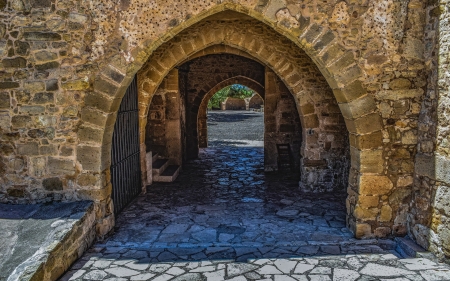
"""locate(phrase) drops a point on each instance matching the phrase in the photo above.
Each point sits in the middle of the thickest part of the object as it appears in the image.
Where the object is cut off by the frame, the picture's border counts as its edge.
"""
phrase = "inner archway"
(230, 120)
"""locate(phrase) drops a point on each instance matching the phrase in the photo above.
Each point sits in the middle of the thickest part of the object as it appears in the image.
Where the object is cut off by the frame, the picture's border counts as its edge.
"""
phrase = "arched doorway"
(157, 68)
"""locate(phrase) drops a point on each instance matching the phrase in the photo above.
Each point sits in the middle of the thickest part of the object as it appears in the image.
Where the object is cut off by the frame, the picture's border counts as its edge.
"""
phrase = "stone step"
(407, 248)
(169, 175)
(158, 166)
(155, 156)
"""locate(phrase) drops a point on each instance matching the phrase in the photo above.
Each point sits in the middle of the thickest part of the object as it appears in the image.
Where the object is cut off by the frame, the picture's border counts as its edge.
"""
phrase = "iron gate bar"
(125, 154)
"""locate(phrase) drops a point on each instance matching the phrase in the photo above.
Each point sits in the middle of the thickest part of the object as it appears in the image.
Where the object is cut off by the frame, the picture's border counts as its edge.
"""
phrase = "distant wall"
(235, 104)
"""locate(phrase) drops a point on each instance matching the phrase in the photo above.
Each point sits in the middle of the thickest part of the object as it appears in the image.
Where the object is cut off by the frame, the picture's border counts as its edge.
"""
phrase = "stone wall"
(281, 123)
(429, 217)
(256, 102)
(164, 132)
(235, 104)
(66, 65)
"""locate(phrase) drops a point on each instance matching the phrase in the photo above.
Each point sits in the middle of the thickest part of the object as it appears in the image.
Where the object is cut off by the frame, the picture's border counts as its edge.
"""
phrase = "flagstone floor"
(224, 219)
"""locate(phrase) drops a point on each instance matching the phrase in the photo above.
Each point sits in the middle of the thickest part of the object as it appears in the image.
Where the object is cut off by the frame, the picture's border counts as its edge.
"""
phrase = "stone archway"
(256, 102)
(202, 112)
(336, 64)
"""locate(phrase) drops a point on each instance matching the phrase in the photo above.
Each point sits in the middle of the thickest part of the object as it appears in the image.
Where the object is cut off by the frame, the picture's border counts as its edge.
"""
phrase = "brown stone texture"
(281, 123)
(379, 67)
(235, 104)
(163, 132)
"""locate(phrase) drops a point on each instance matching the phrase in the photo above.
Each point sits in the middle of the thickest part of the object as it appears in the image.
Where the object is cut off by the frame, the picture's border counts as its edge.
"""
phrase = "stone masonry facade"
(379, 67)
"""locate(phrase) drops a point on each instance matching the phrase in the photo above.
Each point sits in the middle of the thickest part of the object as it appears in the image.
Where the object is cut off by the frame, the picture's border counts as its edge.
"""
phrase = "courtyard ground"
(235, 128)
(225, 219)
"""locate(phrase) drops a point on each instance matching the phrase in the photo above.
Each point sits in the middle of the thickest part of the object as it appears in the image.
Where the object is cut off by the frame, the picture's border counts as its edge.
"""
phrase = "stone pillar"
(223, 105)
(164, 134)
(270, 126)
(281, 121)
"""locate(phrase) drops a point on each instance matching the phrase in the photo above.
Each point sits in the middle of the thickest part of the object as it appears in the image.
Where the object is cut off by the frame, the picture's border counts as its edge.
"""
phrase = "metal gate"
(125, 166)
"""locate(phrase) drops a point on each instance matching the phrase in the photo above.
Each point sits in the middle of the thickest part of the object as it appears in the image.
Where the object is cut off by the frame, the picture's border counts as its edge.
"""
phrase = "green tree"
(233, 91)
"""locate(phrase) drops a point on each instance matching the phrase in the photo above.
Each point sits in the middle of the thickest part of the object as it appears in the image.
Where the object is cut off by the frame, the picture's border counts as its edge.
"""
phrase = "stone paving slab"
(275, 264)
(30, 234)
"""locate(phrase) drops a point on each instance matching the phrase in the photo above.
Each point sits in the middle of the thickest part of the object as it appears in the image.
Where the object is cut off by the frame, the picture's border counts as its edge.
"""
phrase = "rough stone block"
(399, 94)
(9, 85)
(105, 86)
(357, 108)
(382, 232)
(100, 101)
(51, 85)
(42, 98)
(60, 166)
(5, 101)
(365, 214)
(48, 150)
(41, 3)
(442, 166)
(343, 62)
(52, 184)
(311, 121)
(17, 191)
(367, 141)
(368, 201)
(47, 66)
(367, 161)
(425, 165)
(90, 134)
(89, 157)
(37, 166)
(385, 214)
(32, 109)
(94, 116)
(333, 52)
(368, 123)
(114, 75)
(374, 185)
(350, 92)
(42, 36)
(348, 75)
(45, 56)
(363, 230)
(18, 62)
(28, 149)
(34, 86)
(5, 122)
(323, 41)
(76, 85)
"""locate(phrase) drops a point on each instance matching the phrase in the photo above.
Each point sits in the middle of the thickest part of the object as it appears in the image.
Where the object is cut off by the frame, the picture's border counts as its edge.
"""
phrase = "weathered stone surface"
(75, 85)
(51, 227)
(60, 166)
(388, 61)
(52, 184)
(374, 185)
(5, 100)
(42, 36)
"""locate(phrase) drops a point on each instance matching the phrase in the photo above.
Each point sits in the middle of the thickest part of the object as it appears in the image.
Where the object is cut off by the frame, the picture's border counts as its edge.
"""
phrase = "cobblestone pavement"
(224, 219)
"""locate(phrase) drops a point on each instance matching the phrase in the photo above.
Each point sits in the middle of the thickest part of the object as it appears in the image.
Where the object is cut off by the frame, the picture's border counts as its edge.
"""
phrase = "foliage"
(233, 91)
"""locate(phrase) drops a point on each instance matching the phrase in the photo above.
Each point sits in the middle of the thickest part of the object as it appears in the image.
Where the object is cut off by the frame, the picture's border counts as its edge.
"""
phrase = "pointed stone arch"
(202, 112)
(315, 43)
